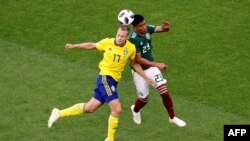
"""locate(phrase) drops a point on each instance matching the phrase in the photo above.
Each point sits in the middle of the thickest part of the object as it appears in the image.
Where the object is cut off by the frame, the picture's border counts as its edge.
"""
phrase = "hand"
(165, 25)
(69, 46)
(150, 81)
(161, 66)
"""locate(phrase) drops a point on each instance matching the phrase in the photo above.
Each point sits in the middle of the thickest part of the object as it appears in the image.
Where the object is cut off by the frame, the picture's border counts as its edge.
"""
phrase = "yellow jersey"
(114, 57)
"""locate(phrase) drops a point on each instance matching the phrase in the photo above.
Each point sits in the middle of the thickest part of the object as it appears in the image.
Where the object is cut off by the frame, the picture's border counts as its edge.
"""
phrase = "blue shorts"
(105, 90)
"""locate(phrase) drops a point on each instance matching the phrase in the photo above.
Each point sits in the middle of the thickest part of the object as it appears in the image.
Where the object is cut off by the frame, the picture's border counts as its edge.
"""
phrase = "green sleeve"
(151, 28)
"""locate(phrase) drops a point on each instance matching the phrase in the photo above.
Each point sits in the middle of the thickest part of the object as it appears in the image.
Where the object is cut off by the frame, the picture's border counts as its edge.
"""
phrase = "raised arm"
(87, 45)
(163, 27)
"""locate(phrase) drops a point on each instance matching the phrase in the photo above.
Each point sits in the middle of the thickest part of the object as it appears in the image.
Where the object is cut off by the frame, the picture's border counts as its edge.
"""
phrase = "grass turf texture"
(207, 50)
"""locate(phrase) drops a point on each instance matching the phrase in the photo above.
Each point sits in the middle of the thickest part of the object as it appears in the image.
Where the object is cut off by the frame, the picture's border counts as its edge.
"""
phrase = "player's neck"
(121, 45)
(141, 34)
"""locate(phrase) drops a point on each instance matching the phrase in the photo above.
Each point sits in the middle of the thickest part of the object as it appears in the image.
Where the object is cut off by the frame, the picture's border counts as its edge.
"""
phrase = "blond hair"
(124, 28)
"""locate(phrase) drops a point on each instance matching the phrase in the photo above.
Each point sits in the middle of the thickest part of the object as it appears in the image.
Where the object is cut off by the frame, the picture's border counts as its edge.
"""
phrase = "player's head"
(139, 24)
(122, 35)
(137, 19)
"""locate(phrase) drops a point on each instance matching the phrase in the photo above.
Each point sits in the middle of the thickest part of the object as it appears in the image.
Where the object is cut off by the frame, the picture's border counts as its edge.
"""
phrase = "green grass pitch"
(207, 51)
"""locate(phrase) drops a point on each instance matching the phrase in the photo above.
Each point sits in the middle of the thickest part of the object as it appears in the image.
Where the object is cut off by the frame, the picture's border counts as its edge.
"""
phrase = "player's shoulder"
(133, 35)
(104, 43)
(134, 38)
(107, 39)
(151, 28)
(129, 43)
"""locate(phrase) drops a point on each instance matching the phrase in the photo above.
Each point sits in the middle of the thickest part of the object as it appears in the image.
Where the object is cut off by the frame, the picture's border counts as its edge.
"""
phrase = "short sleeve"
(151, 28)
(101, 44)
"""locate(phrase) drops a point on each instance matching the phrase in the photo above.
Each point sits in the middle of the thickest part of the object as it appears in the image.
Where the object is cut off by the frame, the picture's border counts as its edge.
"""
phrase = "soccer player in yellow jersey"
(116, 54)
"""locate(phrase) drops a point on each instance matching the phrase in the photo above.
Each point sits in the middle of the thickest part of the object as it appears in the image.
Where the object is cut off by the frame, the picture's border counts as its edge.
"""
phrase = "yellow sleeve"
(101, 45)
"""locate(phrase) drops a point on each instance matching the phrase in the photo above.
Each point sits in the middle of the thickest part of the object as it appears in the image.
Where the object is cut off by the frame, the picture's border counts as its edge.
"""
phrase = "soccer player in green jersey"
(141, 37)
(116, 53)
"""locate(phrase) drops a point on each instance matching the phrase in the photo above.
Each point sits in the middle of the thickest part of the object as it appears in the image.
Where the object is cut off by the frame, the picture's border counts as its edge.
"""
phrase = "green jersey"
(143, 44)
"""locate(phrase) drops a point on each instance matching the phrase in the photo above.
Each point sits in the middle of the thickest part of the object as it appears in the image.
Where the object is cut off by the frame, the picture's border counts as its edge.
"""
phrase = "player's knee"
(117, 111)
(90, 109)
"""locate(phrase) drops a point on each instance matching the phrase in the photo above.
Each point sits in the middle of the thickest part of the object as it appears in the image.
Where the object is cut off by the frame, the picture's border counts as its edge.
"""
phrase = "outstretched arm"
(163, 27)
(87, 45)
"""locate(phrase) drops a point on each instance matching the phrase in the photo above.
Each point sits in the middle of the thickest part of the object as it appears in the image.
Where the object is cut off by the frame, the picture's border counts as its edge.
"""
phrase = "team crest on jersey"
(148, 36)
(110, 49)
(125, 52)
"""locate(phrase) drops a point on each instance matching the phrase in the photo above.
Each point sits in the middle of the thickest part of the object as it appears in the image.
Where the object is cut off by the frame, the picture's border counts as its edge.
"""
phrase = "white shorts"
(142, 86)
